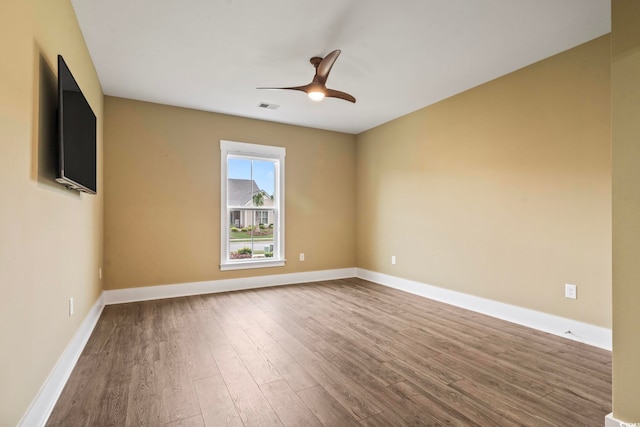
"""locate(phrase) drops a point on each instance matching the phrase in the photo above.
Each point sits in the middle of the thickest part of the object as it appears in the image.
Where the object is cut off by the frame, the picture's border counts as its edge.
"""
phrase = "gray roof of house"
(240, 191)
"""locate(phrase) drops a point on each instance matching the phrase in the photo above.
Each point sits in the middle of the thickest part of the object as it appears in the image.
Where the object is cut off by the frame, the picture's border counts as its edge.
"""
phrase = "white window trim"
(252, 150)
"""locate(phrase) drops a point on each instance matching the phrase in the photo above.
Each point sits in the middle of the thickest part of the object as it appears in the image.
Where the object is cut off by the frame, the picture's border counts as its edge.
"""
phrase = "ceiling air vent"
(268, 106)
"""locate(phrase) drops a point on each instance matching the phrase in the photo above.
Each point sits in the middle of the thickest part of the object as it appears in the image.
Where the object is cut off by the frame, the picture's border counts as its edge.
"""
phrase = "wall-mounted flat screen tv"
(76, 135)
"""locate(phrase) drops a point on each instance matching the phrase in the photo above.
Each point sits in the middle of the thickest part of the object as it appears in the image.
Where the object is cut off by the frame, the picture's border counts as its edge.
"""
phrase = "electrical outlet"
(71, 306)
(100, 273)
(301, 256)
(393, 259)
(570, 291)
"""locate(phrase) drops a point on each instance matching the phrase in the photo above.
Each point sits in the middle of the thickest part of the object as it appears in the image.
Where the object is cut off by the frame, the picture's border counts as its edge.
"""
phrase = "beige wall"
(502, 191)
(162, 194)
(50, 238)
(625, 85)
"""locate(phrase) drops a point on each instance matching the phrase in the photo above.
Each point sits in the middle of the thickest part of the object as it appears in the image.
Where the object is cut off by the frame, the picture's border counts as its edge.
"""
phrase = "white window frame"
(258, 152)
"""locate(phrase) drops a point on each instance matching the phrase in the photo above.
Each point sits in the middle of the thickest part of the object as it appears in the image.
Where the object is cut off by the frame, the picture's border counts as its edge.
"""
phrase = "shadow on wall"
(44, 158)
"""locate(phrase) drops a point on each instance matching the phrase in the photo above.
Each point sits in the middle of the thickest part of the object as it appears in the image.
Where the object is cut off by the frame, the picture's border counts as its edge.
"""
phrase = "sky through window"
(263, 172)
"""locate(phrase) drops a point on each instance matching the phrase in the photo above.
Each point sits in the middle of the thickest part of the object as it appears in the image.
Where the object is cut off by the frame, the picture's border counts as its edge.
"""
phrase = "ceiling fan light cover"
(316, 95)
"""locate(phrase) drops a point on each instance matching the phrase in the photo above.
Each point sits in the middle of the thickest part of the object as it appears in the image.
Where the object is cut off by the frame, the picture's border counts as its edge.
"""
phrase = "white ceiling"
(397, 56)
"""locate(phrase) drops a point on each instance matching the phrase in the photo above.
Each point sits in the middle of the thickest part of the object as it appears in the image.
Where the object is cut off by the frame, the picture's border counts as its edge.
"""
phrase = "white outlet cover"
(301, 256)
(570, 291)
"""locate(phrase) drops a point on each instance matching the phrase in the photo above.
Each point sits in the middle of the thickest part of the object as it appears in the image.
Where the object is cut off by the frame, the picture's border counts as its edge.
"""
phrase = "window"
(262, 217)
(252, 206)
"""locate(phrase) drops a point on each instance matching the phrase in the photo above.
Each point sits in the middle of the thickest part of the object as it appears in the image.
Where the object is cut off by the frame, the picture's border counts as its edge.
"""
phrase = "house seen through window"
(252, 200)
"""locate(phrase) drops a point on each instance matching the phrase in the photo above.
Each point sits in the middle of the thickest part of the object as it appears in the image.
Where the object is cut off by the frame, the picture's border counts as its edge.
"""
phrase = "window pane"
(250, 182)
(264, 177)
(239, 168)
(249, 238)
(240, 185)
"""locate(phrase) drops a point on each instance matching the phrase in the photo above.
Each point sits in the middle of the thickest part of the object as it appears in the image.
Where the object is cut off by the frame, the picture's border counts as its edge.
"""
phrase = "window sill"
(243, 265)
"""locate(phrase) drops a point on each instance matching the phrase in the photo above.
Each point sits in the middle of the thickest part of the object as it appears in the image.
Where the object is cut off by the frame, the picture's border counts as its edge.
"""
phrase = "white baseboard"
(609, 421)
(146, 293)
(45, 400)
(589, 334)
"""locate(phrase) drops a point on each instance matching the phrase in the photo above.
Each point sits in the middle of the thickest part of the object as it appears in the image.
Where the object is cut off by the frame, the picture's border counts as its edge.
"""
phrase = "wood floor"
(336, 353)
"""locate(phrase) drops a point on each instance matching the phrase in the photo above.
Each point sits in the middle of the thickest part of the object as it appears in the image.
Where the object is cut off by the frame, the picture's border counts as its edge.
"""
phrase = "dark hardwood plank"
(586, 359)
(112, 406)
(144, 405)
(216, 403)
(384, 419)
(564, 401)
(440, 402)
(487, 369)
(252, 406)
(255, 360)
(195, 421)
(325, 407)
(503, 404)
(557, 376)
(425, 368)
(344, 389)
(177, 393)
(208, 329)
(295, 375)
(290, 409)
(252, 300)
(196, 356)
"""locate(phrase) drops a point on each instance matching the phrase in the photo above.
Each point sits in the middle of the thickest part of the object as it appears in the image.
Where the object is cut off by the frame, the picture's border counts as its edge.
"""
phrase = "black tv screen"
(76, 134)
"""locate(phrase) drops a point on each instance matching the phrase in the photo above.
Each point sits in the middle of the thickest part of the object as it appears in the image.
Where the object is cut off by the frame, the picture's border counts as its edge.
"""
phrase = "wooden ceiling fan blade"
(330, 93)
(304, 88)
(322, 72)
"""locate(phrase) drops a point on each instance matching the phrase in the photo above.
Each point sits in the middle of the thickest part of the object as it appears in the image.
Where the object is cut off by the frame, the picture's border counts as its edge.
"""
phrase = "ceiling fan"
(317, 89)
